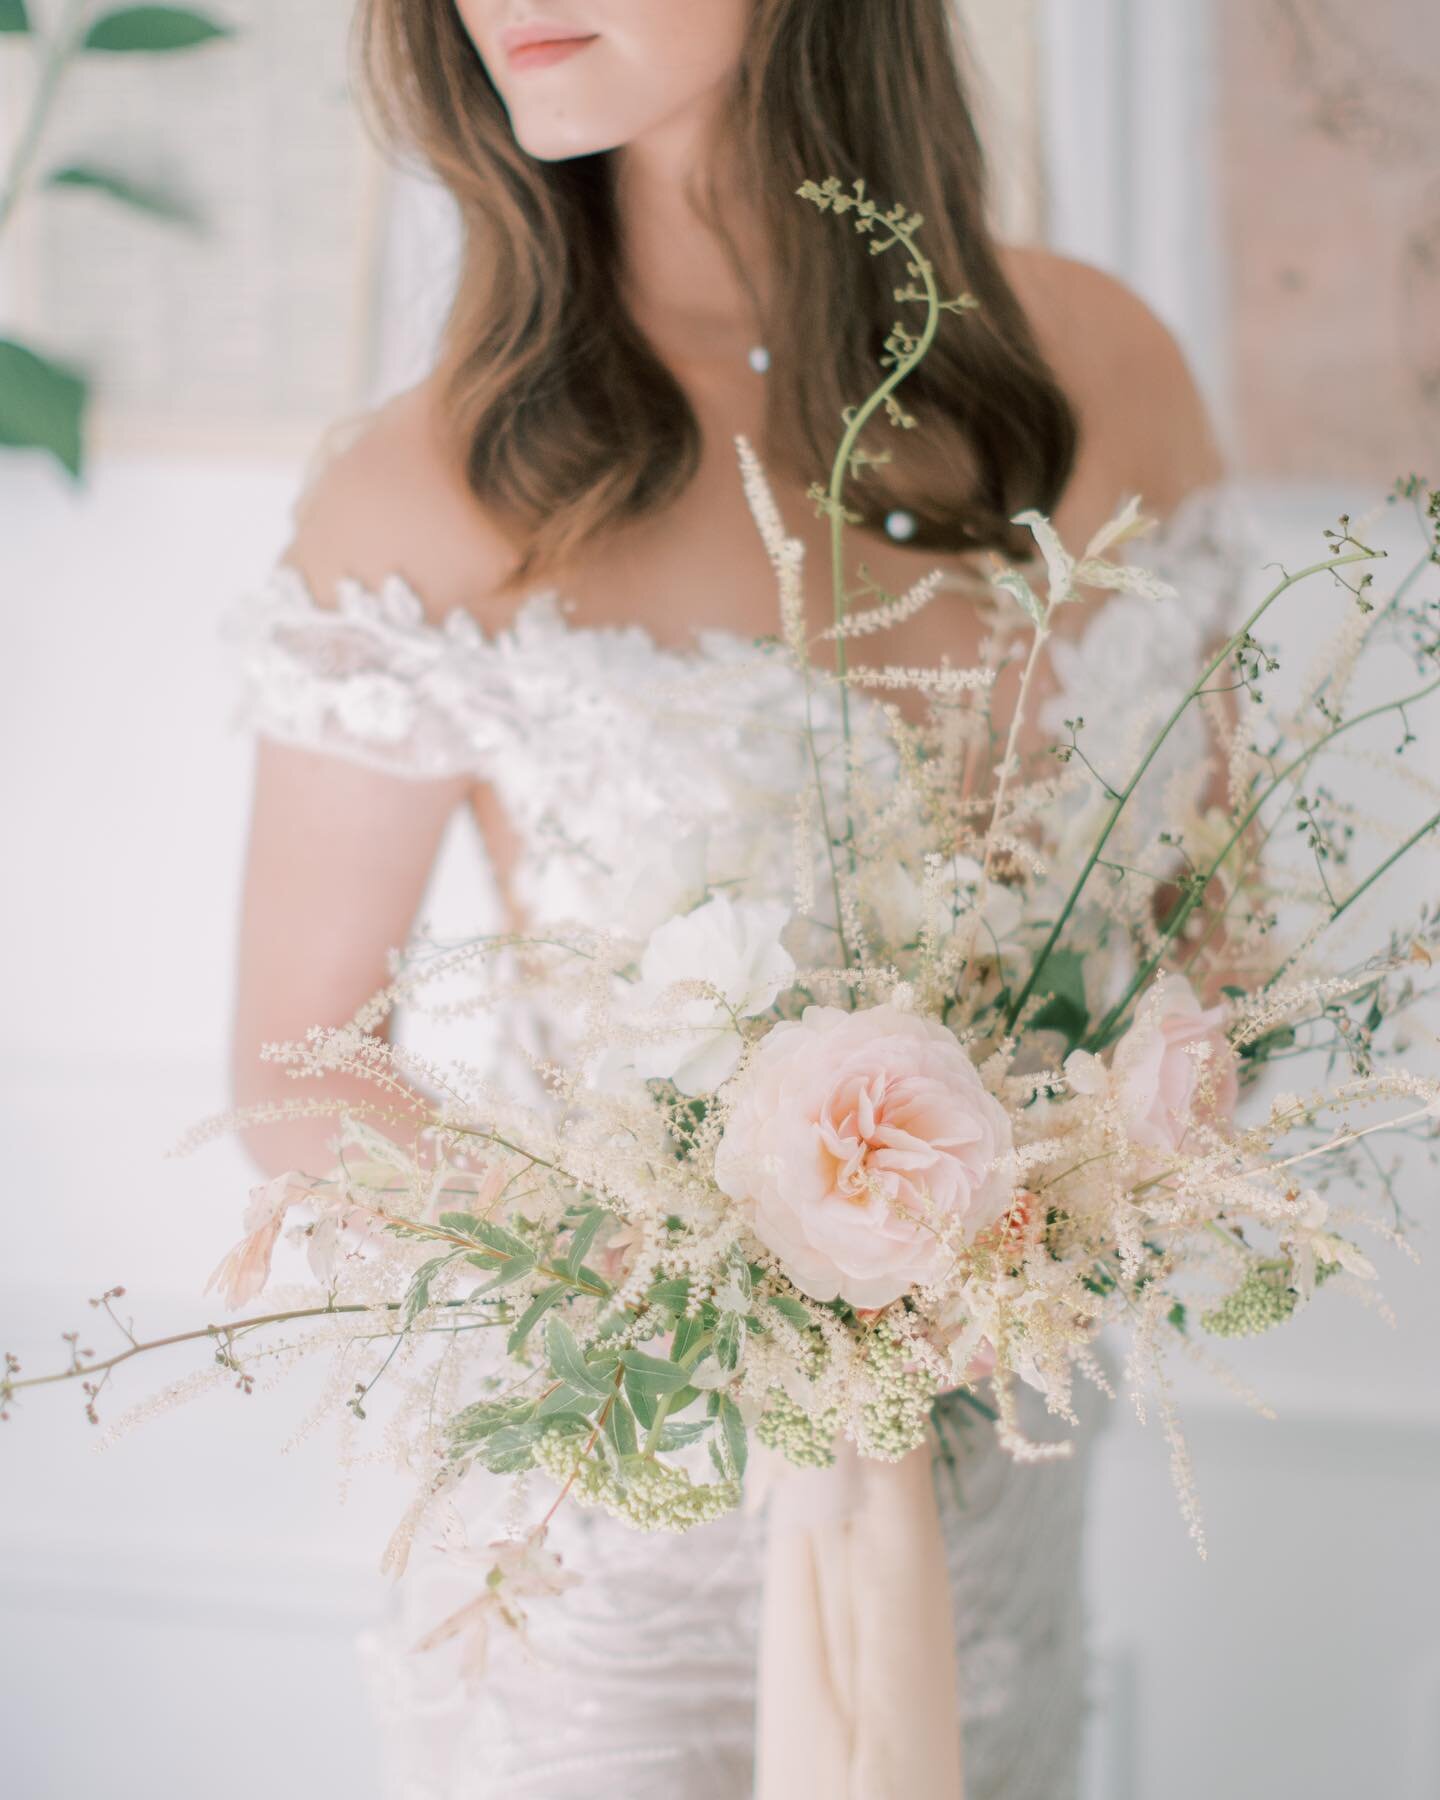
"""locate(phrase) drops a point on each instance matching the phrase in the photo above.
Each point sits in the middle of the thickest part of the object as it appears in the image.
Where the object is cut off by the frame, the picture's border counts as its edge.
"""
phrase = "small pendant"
(758, 358)
(900, 524)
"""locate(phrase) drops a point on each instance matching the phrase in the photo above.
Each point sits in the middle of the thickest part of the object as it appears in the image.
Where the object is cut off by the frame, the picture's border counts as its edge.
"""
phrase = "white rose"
(732, 946)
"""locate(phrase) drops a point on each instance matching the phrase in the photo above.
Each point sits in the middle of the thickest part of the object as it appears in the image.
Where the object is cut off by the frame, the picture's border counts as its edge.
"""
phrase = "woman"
(639, 285)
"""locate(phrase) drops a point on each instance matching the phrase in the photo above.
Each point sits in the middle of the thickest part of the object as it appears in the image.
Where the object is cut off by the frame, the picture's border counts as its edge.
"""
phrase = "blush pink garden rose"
(1172, 1067)
(852, 1135)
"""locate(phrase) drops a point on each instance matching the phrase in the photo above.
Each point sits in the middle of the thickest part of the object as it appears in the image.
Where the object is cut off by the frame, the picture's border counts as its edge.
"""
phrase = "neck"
(679, 276)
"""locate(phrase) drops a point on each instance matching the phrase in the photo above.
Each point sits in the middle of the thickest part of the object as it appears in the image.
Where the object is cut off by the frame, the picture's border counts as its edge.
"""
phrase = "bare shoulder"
(1143, 415)
(390, 499)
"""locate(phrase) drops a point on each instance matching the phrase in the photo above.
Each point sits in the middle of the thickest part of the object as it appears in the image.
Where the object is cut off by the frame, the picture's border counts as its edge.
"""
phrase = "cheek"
(653, 60)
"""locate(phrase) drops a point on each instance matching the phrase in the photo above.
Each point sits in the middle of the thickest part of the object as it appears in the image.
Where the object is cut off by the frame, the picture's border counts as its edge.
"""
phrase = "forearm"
(275, 1146)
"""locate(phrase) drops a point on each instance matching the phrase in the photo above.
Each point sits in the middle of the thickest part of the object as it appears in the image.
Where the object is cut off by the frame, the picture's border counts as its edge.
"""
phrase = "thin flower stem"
(1431, 824)
(58, 52)
(596, 1429)
(137, 1348)
(1041, 638)
(839, 473)
(1177, 920)
(662, 1407)
(1231, 645)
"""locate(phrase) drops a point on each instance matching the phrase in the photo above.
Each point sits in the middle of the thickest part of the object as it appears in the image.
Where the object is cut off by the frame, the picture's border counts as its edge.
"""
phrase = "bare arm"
(1172, 447)
(1145, 424)
(339, 855)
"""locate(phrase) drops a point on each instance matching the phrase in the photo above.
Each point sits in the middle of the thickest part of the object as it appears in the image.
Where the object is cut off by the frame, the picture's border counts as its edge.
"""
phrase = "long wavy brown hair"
(568, 421)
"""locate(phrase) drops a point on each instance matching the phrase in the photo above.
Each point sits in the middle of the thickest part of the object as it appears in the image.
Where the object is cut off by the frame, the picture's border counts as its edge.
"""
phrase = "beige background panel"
(252, 332)
(1329, 146)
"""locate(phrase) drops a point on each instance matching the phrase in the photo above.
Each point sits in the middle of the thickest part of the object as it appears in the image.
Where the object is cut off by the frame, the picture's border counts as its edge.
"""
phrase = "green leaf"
(565, 1399)
(671, 1294)
(642, 1401)
(566, 1422)
(485, 1231)
(532, 1315)
(417, 1295)
(676, 1434)
(42, 404)
(507, 1451)
(736, 1437)
(570, 1365)
(581, 1238)
(512, 1268)
(620, 1427)
(154, 201)
(13, 16)
(151, 28)
(688, 1330)
(1176, 1315)
(1066, 1011)
(730, 1340)
(651, 1373)
(485, 1417)
(791, 1310)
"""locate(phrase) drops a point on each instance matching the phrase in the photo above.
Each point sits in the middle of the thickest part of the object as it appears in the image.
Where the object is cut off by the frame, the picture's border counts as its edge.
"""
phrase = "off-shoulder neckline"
(394, 605)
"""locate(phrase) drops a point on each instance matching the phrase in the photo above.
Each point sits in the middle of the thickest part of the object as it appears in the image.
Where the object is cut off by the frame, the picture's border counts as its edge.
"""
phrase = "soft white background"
(179, 1612)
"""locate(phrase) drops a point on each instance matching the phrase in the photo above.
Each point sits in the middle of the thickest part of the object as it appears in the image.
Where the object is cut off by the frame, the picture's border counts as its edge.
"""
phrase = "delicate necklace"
(899, 524)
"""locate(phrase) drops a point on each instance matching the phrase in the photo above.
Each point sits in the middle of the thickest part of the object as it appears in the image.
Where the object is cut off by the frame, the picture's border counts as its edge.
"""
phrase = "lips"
(534, 44)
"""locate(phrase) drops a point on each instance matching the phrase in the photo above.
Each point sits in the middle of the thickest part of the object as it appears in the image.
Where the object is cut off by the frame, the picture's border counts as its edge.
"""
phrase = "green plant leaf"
(570, 1365)
(504, 1272)
(13, 16)
(736, 1437)
(791, 1310)
(581, 1239)
(565, 1400)
(152, 28)
(42, 404)
(687, 1330)
(417, 1295)
(1066, 1010)
(642, 1401)
(532, 1315)
(484, 1231)
(620, 1427)
(671, 1294)
(153, 201)
(730, 1340)
(677, 1434)
(652, 1374)
(508, 1450)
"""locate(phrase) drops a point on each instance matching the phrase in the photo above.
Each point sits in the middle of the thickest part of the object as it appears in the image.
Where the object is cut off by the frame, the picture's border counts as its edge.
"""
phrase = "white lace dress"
(640, 1681)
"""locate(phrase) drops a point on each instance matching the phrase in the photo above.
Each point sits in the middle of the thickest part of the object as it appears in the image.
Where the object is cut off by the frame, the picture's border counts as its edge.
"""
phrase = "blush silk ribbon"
(857, 1674)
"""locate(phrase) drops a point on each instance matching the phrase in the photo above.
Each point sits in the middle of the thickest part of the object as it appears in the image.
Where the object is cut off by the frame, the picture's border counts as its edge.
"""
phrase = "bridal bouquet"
(970, 1078)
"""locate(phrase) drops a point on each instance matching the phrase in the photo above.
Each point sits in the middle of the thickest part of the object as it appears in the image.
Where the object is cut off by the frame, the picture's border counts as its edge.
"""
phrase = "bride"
(490, 568)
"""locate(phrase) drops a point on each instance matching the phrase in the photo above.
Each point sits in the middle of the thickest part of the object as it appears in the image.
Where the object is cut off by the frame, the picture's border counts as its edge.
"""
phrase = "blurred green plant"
(42, 402)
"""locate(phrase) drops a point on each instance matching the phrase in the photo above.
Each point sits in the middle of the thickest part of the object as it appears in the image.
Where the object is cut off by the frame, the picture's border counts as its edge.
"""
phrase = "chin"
(558, 134)
(555, 128)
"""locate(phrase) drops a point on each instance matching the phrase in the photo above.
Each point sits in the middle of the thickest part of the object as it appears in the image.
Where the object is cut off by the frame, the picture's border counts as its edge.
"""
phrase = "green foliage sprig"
(42, 400)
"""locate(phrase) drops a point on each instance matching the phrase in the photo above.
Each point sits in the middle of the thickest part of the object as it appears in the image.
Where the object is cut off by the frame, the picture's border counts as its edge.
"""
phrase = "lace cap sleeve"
(369, 679)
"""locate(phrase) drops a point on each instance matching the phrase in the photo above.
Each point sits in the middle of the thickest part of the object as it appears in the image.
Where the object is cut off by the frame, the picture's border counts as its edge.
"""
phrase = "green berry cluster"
(642, 1491)
(1263, 1299)
(802, 1438)
(892, 1424)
